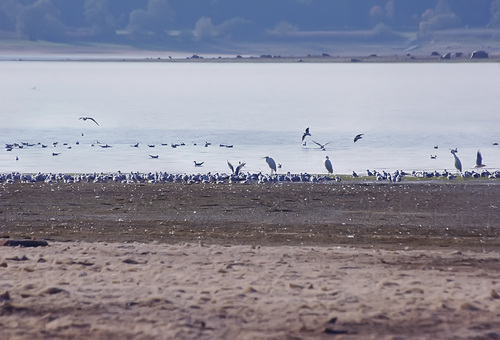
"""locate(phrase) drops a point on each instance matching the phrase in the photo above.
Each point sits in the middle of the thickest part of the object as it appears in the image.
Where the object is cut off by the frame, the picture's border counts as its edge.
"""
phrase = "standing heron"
(271, 163)
(306, 134)
(458, 164)
(479, 160)
(328, 165)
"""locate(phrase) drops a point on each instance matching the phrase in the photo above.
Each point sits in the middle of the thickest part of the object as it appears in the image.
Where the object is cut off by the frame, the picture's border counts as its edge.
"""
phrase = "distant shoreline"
(43, 51)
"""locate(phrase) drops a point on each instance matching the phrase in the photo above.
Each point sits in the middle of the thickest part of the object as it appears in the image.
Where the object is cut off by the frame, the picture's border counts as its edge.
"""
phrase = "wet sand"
(277, 261)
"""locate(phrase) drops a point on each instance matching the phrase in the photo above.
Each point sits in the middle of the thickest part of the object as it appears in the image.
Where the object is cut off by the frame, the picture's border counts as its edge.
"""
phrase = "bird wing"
(479, 159)
(320, 145)
(92, 119)
(230, 167)
(239, 167)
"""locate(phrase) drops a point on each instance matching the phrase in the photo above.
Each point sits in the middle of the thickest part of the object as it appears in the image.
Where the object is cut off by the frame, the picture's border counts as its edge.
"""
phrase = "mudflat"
(261, 261)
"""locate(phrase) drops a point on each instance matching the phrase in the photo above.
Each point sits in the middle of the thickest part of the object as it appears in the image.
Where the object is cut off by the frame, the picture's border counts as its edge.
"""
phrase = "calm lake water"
(261, 109)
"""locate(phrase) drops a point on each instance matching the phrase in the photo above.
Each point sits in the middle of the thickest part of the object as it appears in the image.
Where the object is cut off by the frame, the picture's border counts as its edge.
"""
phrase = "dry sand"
(329, 261)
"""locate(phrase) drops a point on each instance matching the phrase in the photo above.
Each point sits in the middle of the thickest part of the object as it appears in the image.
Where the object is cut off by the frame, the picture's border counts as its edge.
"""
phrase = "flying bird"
(458, 164)
(198, 163)
(358, 137)
(306, 134)
(238, 168)
(322, 146)
(328, 165)
(271, 163)
(153, 156)
(479, 160)
(92, 119)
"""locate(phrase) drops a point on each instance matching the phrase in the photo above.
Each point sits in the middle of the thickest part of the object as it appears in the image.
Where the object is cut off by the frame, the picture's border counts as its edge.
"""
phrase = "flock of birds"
(237, 175)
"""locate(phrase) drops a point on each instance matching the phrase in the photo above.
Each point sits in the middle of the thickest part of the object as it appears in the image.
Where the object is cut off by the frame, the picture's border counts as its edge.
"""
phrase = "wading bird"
(358, 137)
(328, 165)
(479, 160)
(458, 164)
(271, 163)
(306, 134)
(92, 119)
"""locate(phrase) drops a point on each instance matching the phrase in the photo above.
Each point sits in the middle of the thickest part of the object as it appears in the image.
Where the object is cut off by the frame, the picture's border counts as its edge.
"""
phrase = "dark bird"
(238, 168)
(306, 134)
(479, 160)
(322, 146)
(433, 156)
(328, 165)
(153, 156)
(358, 137)
(92, 119)
(56, 153)
(458, 164)
(198, 163)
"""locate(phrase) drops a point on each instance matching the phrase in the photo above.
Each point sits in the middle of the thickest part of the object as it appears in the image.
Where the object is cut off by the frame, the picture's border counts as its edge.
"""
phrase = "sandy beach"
(358, 260)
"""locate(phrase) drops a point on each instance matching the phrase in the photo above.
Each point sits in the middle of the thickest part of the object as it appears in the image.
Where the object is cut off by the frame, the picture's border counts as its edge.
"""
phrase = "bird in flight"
(322, 146)
(479, 160)
(198, 163)
(92, 119)
(358, 137)
(306, 134)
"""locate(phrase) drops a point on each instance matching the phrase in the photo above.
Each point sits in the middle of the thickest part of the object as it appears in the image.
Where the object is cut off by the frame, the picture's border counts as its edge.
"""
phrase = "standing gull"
(328, 165)
(271, 163)
(479, 160)
(306, 134)
(92, 119)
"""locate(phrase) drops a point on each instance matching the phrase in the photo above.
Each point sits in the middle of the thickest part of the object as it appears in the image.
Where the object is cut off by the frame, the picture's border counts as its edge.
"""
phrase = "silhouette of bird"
(322, 146)
(479, 160)
(238, 168)
(458, 164)
(433, 156)
(358, 137)
(90, 118)
(198, 163)
(153, 156)
(271, 163)
(328, 165)
(306, 134)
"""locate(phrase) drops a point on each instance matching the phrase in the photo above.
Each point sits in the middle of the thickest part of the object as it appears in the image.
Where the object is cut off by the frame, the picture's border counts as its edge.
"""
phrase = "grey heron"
(271, 163)
(458, 164)
(328, 165)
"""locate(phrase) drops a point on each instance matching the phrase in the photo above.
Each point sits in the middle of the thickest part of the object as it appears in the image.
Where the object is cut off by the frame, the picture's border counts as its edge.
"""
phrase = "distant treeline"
(191, 21)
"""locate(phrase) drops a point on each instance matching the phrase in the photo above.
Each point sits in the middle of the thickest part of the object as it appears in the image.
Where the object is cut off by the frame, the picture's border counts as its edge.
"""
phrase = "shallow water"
(261, 109)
